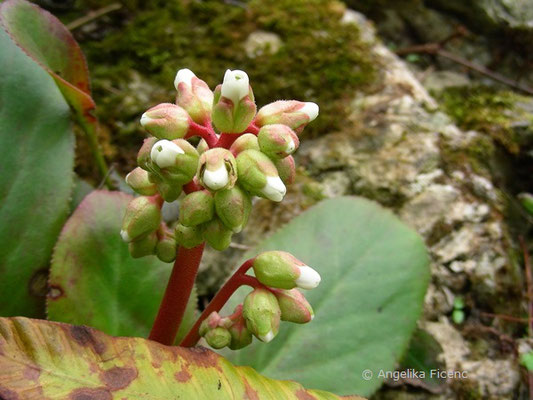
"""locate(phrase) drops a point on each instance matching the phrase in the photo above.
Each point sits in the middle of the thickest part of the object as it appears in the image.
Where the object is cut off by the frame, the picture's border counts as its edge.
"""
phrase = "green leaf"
(41, 359)
(37, 153)
(422, 356)
(374, 276)
(94, 280)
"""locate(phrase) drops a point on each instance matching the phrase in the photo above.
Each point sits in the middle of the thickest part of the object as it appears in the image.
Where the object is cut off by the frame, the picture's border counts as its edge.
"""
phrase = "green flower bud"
(193, 95)
(217, 169)
(240, 334)
(143, 157)
(277, 140)
(175, 161)
(233, 207)
(294, 306)
(166, 121)
(211, 322)
(218, 338)
(279, 269)
(169, 191)
(197, 208)
(262, 314)
(202, 146)
(143, 216)
(286, 169)
(233, 105)
(189, 236)
(295, 114)
(248, 141)
(166, 247)
(139, 181)
(258, 175)
(144, 246)
(217, 235)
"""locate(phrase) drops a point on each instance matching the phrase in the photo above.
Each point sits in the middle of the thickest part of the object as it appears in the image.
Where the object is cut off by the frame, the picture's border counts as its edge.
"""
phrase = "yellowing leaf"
(50, 360)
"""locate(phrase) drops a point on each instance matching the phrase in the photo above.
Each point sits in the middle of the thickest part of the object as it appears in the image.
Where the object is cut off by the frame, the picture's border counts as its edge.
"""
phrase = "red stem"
(226, 139)
(206, 132)
(238, 279)
(176, 295)
(252, 128)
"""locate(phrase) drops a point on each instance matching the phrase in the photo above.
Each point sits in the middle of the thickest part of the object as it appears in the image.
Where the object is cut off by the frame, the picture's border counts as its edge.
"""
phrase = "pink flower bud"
(193, 95)
(294, 306)
(295, 114)
(166, 121)
(277, 140)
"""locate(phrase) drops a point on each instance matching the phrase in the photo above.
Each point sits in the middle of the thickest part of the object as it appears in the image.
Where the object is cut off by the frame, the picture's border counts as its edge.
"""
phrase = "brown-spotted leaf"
(48, 42)
(50, 360)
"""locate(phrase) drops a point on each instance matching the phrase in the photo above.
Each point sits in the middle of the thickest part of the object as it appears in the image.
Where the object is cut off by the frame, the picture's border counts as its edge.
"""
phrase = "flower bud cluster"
(276, 300)
(256, 161)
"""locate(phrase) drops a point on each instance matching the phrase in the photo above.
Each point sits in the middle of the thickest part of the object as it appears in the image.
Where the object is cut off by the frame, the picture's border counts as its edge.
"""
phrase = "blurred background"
(425, 107)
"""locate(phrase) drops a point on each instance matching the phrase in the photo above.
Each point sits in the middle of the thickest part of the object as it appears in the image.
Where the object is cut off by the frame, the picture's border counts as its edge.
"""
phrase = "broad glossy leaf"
(374, 276)
(95, 281)
(49, 360)
(36, 162)
(49, 43)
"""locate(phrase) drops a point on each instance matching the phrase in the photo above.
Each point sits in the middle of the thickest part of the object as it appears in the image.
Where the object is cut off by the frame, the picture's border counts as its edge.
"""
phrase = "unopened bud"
(197, 208)
(248, 141)
(277, 140)
(174, 161)
(143, 157)
(217, 169)
(143, 216)
(234, 107)
(286, 169)
(262, 314)
(218, 338)
(240, 334)
(295, 114)
(165, 153)
(193, 95)
(294, 306)
(166, 247)
(233, 207)
(144, 246)
(166, 121)
(202, 146)
(217, 235)
(258, 174)
(279, 269)
(139, 181)
(189, 236)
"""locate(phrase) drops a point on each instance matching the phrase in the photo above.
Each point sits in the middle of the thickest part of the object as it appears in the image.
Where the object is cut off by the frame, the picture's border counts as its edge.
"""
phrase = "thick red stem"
(238, 279)
(226, 139)
(192, 186)
(252, 128)
(206, 132)
(176, 295)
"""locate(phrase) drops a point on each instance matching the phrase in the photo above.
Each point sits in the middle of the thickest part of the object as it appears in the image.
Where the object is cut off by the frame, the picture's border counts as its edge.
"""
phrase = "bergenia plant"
(240, 153)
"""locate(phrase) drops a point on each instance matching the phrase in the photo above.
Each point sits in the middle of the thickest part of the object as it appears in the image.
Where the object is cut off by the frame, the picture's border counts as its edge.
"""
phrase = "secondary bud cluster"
(255, 161)
(266, 306)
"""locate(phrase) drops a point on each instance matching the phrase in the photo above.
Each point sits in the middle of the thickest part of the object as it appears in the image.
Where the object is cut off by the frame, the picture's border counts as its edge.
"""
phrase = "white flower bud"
(308, 279)
(235, 85)
(216, 179)
(164, 153)
(310, 109)
(274, 188)
(184, 75)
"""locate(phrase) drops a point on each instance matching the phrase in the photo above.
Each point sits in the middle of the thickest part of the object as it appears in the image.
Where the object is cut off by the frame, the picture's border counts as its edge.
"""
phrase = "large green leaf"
(374, 276)
(37, 157)
(41, 360)
(95, 281)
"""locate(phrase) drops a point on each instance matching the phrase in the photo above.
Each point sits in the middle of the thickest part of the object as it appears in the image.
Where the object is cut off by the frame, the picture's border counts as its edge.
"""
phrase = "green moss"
(486, 110)
(320, 60)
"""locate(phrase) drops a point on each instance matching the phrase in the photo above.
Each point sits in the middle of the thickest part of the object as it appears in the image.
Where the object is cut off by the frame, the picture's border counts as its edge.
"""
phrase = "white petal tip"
(235, 86)
(124, 235)
(308, 279)
(184, 75)
(311, 109)
(291, 146)
(145, 119)
(274, 189)
(268, 337)
(312, 317)
(164, 153)
(216, 179)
